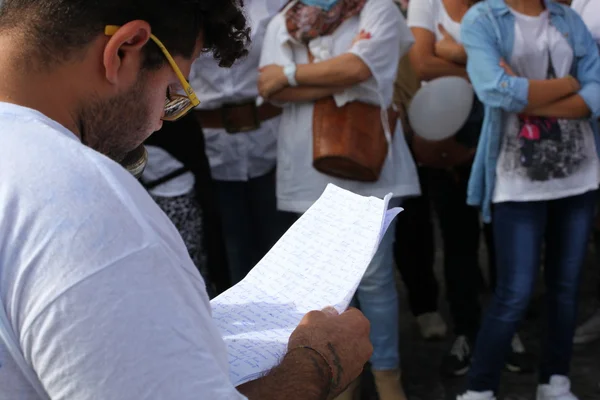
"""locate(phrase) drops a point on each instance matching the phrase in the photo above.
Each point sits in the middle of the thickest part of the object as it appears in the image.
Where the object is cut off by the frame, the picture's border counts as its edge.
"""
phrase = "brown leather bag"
(349, 141)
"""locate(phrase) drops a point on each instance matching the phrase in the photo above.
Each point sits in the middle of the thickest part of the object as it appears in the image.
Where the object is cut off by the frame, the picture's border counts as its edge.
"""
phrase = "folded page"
(319, 262)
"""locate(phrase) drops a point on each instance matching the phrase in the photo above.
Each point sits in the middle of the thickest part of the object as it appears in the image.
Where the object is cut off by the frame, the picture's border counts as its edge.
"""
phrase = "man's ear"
(123, 53)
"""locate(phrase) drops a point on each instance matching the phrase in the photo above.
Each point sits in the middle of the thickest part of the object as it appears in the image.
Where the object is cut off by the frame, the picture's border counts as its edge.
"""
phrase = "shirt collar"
(499, 7)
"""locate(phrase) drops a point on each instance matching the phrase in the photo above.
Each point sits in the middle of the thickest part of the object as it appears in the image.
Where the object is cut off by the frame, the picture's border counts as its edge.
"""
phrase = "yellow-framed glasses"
(176, 105)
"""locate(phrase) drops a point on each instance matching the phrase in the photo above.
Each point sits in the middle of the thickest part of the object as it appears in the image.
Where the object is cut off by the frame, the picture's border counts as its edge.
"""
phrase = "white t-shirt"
(428, 14)
(544, 164)
(589, 10)
(299, 185)
(96, 282)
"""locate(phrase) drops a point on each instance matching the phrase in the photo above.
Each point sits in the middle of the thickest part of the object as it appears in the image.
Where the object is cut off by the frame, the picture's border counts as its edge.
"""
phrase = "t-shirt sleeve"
(137, 329)
(591, 17)
(421, 15)
(390, 39)
(275, 49)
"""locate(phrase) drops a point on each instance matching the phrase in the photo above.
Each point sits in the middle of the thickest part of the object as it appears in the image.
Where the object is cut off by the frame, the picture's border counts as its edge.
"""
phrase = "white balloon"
(441, 107)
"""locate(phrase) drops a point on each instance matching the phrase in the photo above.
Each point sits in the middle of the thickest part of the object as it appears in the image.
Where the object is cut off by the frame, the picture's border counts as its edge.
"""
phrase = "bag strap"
(7, 337)
(164, 179)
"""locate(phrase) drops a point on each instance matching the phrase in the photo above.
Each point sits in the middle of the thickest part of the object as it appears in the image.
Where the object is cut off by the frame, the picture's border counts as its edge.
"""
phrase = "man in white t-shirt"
(98, 296)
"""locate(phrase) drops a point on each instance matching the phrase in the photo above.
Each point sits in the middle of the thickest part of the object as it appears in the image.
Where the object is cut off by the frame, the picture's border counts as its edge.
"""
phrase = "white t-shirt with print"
(299, 185)
(428, 14)
(96, 282)
(536, 165)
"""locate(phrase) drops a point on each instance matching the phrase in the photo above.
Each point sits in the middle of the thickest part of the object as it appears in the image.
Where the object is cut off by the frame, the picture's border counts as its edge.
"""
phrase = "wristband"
(290, 73)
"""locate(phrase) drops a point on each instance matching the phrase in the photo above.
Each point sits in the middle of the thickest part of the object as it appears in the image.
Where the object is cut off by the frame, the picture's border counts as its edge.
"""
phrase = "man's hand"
(326, 352)
(343, 339)
(271, 80)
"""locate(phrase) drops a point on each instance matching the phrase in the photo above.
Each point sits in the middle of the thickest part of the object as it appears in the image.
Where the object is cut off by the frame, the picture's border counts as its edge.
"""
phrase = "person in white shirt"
(589, 10)
(438, 53)
(99, 298)
(356, 53)
(241, 144)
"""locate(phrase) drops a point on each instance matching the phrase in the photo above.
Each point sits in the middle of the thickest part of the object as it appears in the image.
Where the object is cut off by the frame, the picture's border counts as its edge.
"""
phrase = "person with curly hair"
(240, 133)
(99, 298)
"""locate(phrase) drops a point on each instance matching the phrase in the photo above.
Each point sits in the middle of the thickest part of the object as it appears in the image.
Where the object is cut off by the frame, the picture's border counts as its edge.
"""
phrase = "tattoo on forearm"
(337, 366)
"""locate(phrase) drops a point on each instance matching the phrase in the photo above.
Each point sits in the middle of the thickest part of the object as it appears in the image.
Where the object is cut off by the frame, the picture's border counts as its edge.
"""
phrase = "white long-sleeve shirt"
(241, 156)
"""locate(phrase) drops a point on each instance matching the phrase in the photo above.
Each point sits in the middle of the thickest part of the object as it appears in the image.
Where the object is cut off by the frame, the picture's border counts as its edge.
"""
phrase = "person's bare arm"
(344, 70)
(304, 93)
(302, 375)
(325, 354)
(426, 64)
(571, 107)
(449, 49)
(452, 52)
(546, 92)
(340, 72)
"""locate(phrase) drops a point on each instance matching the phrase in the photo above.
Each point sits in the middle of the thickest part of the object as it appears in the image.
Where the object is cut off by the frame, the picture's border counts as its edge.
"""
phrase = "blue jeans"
(520, 229)
(378, 298)
(251, 222)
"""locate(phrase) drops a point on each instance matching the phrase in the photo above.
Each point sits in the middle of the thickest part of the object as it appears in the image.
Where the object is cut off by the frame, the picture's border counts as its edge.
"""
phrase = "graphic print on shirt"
(545, 148)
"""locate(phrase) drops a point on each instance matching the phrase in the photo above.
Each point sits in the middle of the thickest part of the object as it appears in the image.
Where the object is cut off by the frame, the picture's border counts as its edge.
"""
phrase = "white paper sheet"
(319, 262)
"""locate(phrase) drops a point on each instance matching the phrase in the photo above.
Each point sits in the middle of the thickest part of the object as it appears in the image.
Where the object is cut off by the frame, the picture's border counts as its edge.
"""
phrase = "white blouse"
(428, 14)
(238, 157)
(299, 185)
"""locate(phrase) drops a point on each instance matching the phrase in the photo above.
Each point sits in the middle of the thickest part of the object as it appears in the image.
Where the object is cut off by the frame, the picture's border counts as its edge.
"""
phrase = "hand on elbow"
(271, 80)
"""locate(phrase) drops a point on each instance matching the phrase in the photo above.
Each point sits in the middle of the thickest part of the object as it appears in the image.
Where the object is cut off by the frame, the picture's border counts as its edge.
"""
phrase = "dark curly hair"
(60, 30)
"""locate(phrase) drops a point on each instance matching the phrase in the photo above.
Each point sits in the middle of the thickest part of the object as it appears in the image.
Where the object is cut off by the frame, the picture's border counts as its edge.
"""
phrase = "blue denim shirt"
(487, 32)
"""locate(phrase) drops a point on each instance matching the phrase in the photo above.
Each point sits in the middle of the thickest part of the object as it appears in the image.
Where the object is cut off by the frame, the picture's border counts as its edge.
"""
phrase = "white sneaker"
(589, 330)
(559, 388)
(432, 326)
(489, 395)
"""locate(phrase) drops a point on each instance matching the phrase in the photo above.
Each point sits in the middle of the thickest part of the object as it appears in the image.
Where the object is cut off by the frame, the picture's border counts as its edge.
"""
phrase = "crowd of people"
(105, 278)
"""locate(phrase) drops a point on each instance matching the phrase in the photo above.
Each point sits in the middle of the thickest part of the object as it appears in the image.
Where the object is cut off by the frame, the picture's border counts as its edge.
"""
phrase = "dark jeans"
(251, 222)
(596, 237)
(597, 244)
(461, 229)
(520, 229)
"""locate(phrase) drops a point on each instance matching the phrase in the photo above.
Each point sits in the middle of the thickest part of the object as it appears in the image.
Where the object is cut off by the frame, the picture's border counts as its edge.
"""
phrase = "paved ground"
(420, 359)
